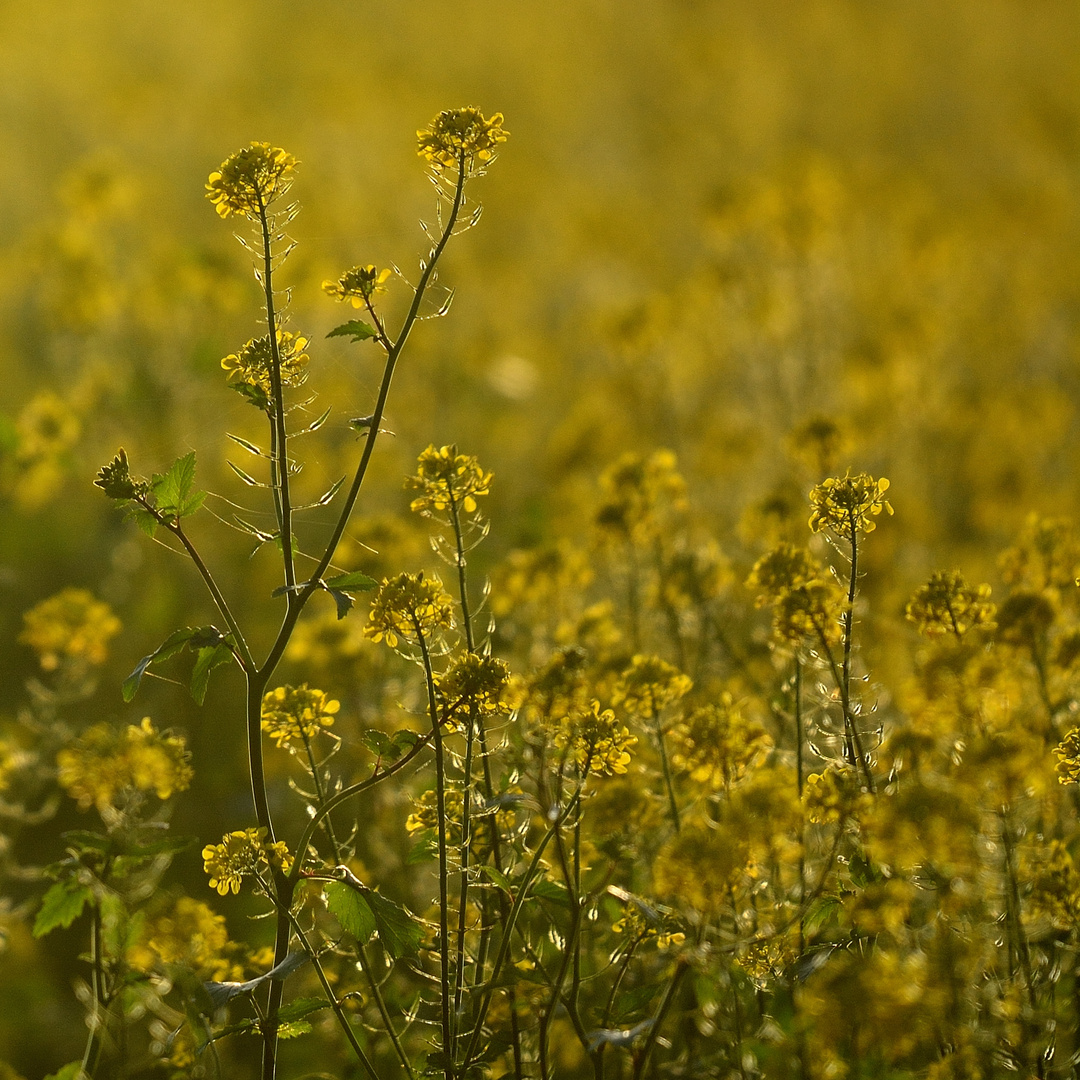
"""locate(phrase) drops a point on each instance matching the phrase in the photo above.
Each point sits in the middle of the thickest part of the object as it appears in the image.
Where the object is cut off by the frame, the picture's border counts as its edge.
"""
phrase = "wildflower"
(188, 933)
(947, 604)
(833, 795)
(461, 139)
(71, 625)
(476, 684)
(1025, 617)
(813, 610)
(105, 763)
(692, 576)
(409, 607)
(46, 427)
(1067, 753)
(848, 504)
(296, 714)
(243, 853)
(596, 741)
(447, 479)
(539, 577)
(250, 368)
(425, 817)
(716, 743)
(649, 684)
(1046, 555)
(641, 922)
(638, 491)
(699, 865)
(784, 568)
(1055, 885)
(358, 285)
(249, 180)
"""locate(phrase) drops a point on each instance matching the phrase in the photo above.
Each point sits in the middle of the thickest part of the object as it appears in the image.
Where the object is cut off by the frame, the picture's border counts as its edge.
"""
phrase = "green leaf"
(551, 890)
(399, 932)
(355, 330)
(301, 1007)
(254, 393)
(351, 911)
(498, 877)
(61, 906)
(357, 581)
(293, 1029)
(72, 1071)
(209, 657)
(173, 488)
(821, 912)
(172, 644)
(342, 601)
(85, 842)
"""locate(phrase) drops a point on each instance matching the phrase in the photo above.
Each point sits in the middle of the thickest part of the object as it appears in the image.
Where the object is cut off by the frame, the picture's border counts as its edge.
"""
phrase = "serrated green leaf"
(293, 1029)
(208, 658)
(350, 910)
(399, 932)
(172, 644)
(171, 488)
(254, 394)
(821, 912)
(356, 581)
(61, 906)
(342, 601)
(301, 1007)
(498, 877)
(191, 504)
(378, 742)
(355, 330)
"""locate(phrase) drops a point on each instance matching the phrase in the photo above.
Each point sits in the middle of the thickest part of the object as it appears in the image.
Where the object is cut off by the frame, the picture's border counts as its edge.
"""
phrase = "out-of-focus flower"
(1067, 753)
(408, 607)
(296, 714)
(1025, 617)
(46, 426)
(639, 492)
(1046, 555)
(947, 604)
(447, 478)
(71, 625)
(813, 611)
(650, 684)
(784, 568)
(104, 763)
(191, 934)
(716, 743)
(243, 853)
(461, 139)
(833, 795)
(249, 180)
(358, 285)
(848, 504)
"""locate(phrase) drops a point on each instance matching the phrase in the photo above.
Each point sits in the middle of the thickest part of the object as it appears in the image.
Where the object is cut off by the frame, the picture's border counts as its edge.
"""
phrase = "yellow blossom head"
(946, 604)
(249, 369)
(293, 715)
(71, 625)
(474, 685)
(249, 180)
(358, 285)
(596, 741)
(447, 480)
(848, 504)
(778, 571)
(243, 853)
(409, 607)
(649, 684)
(461, 140)
(716, 743)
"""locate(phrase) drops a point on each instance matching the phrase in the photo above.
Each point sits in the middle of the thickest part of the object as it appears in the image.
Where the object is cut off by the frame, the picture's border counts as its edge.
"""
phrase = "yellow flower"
(698, 866)
(596, 741)
(461, 139)
(46, 427)
(833, 795)
(812, 610)
(409, 607)
(296, 714)
(250, 367)
(1025, 617)
(649, 684)
(848, 504)
(474, 684)
(947, 604)
(358, 285)
(639, 490)
(785, 567)
(188, 933)
(71, 625)
(249, 180)
(716, 743)
(447, 479)
(242, 853)
(105, 763)
(1067, 753)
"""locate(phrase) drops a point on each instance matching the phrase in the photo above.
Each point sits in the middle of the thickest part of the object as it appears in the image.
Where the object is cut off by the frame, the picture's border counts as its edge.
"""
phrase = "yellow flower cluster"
(833, 795)
(251, 366)
(638, 490)
(1067, 753)
(191, 934)
(1046, 556)
(71, 625)
(596, 741)
(779, 571)
(461, 139)
(474, 684)
(641, 924)
(358, 285)
(848, 504)
(296, 714)
(650, 684)
(243, 853)
(698, 865)
(539, 576)
(447, 478)
(807, 602)
(716, 743)
(249, 180)
(104, 763)
(1055, 886)
(946, 604)
(409, 607)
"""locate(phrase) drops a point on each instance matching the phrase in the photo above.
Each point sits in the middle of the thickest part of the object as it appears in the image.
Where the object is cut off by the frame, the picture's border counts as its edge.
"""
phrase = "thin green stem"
(681, 967)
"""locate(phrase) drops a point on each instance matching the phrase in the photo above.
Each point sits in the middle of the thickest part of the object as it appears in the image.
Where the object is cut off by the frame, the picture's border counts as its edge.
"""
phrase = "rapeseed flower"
(294, 715)
(716, 743)
(358, 285)
(848, 504)
(250, 367)
(474, 684)
(650, 684)
(783, 568)
(447, 478)
(409, 607)
(596, 741)
(947, 604)
(243, 853)
(70, 625)
(461, 139)
(249, 180)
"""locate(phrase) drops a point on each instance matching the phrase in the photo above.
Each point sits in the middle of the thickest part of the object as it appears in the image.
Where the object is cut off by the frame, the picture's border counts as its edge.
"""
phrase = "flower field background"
(746, 760)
